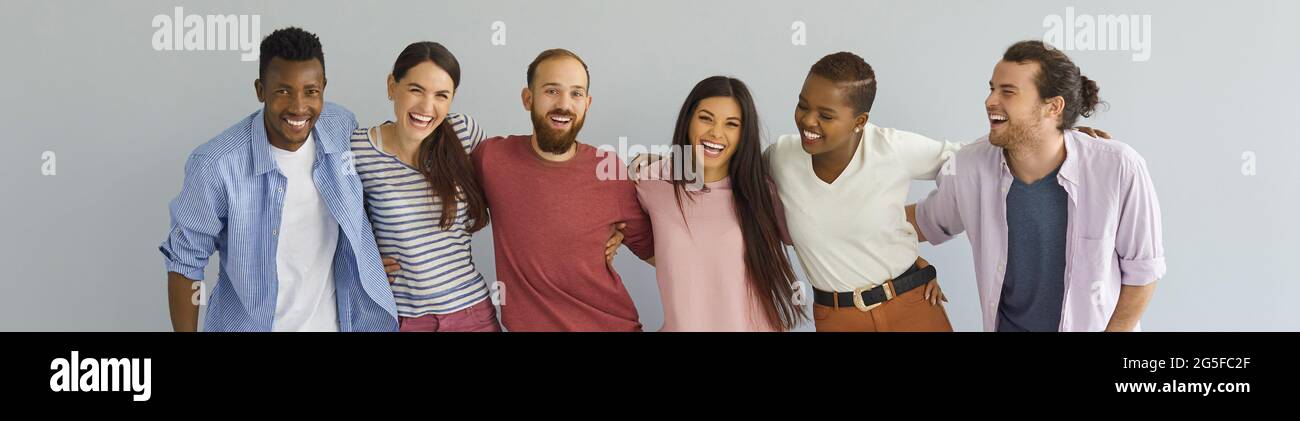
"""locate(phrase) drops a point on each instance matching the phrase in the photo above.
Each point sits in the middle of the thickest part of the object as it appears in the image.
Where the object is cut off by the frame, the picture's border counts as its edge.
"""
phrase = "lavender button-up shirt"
(1112, 236)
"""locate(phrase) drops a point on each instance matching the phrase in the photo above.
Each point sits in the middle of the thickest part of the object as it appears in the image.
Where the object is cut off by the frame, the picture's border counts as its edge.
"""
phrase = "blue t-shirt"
(1033, 290)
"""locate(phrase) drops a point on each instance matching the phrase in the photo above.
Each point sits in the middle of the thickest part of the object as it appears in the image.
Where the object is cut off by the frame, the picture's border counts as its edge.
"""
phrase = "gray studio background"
(81, 79)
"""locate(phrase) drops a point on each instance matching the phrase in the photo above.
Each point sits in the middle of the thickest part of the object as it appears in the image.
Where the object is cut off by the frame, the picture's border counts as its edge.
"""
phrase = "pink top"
(700, 261)
(1113, 233)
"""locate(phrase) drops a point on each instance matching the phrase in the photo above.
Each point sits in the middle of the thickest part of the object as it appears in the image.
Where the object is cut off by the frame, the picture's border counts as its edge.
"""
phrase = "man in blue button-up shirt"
(242, 197)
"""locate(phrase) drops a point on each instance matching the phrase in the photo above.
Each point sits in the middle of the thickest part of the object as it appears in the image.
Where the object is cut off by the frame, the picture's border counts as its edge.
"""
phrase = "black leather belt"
(913, 278)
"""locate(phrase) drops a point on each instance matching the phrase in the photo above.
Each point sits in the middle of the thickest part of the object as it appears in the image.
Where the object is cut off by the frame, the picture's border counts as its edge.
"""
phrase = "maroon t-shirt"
(550, 222)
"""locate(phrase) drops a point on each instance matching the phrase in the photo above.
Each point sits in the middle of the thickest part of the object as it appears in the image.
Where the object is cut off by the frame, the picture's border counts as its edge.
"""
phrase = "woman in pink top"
(719, 256)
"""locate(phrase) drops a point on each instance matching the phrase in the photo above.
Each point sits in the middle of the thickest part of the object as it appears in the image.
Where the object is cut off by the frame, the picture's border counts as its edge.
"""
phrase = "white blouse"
(854, 233)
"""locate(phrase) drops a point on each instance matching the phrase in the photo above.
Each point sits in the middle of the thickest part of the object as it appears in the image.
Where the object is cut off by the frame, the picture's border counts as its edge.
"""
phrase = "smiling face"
(1015, 112)
(293, 93)
(421, 99)
(825, 118)
(558, 102)
(715, 131)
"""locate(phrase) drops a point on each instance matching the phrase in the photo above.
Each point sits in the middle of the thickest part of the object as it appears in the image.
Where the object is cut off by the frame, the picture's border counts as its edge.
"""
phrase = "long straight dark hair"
(442, 157)
(766, 264)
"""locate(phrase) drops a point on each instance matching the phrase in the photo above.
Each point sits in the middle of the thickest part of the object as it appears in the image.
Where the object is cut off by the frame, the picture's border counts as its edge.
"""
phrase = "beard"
(555, 141)
(1015, 134)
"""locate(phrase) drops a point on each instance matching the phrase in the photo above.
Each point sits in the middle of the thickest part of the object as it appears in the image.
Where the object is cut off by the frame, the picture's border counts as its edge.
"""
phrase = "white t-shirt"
(304, 253)
(854, 233)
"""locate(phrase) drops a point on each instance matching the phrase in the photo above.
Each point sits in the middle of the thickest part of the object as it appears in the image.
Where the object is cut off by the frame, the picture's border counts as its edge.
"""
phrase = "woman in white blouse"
(844, 184)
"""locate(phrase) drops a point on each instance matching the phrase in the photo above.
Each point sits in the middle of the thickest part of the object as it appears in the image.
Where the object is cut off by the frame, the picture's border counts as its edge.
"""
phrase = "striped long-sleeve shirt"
(231, 202)
(437, 273)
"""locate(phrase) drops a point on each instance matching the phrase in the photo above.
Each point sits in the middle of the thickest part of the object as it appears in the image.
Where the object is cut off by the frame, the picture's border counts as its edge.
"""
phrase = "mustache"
(561, 113)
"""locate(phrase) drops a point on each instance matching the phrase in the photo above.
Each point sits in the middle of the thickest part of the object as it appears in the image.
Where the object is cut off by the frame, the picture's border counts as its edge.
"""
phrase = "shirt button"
(279, 189)
(275, 232)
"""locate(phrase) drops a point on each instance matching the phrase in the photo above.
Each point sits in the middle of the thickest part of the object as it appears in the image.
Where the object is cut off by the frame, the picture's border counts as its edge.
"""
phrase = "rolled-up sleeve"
(938, 216)
(198, 217)
(1138, 241)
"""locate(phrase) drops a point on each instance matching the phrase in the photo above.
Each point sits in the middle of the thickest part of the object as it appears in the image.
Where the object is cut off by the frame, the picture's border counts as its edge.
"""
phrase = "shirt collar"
(723, 183)
(263, 162)
(1069, 170)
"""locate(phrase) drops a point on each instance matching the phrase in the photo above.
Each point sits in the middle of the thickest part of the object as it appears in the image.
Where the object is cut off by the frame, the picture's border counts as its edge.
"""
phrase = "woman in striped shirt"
(422, 198)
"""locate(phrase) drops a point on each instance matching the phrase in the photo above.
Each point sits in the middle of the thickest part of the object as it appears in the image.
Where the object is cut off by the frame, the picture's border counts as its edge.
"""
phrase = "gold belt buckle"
(862, 305)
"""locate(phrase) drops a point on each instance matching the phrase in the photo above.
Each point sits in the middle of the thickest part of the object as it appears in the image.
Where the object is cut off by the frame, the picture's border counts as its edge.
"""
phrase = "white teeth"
(996, 117)
(811, 135)
(421, 118)
(297, 122)
(712, 145)
(561, 119)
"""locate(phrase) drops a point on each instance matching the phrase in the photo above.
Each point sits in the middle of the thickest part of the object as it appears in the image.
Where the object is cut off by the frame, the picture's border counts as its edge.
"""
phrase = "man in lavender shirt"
(1065, 228)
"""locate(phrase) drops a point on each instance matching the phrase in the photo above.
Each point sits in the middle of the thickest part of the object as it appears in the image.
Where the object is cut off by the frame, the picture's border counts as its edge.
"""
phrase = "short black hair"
(853, 74)
(290, 43)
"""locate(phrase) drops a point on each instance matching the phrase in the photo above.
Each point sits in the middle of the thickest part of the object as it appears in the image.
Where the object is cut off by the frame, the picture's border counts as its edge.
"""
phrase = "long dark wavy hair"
(766, 264)
(441, 156)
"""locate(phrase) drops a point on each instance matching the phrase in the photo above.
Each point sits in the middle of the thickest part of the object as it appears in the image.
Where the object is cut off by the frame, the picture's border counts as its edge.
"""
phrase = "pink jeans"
(481, 317)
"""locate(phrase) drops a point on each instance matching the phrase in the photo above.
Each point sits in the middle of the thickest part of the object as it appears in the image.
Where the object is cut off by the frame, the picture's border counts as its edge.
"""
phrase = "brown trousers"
(909, 312)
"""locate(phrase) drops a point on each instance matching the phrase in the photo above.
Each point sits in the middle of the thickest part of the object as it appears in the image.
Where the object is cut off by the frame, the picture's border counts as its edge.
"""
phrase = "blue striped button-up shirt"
(231, 202)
